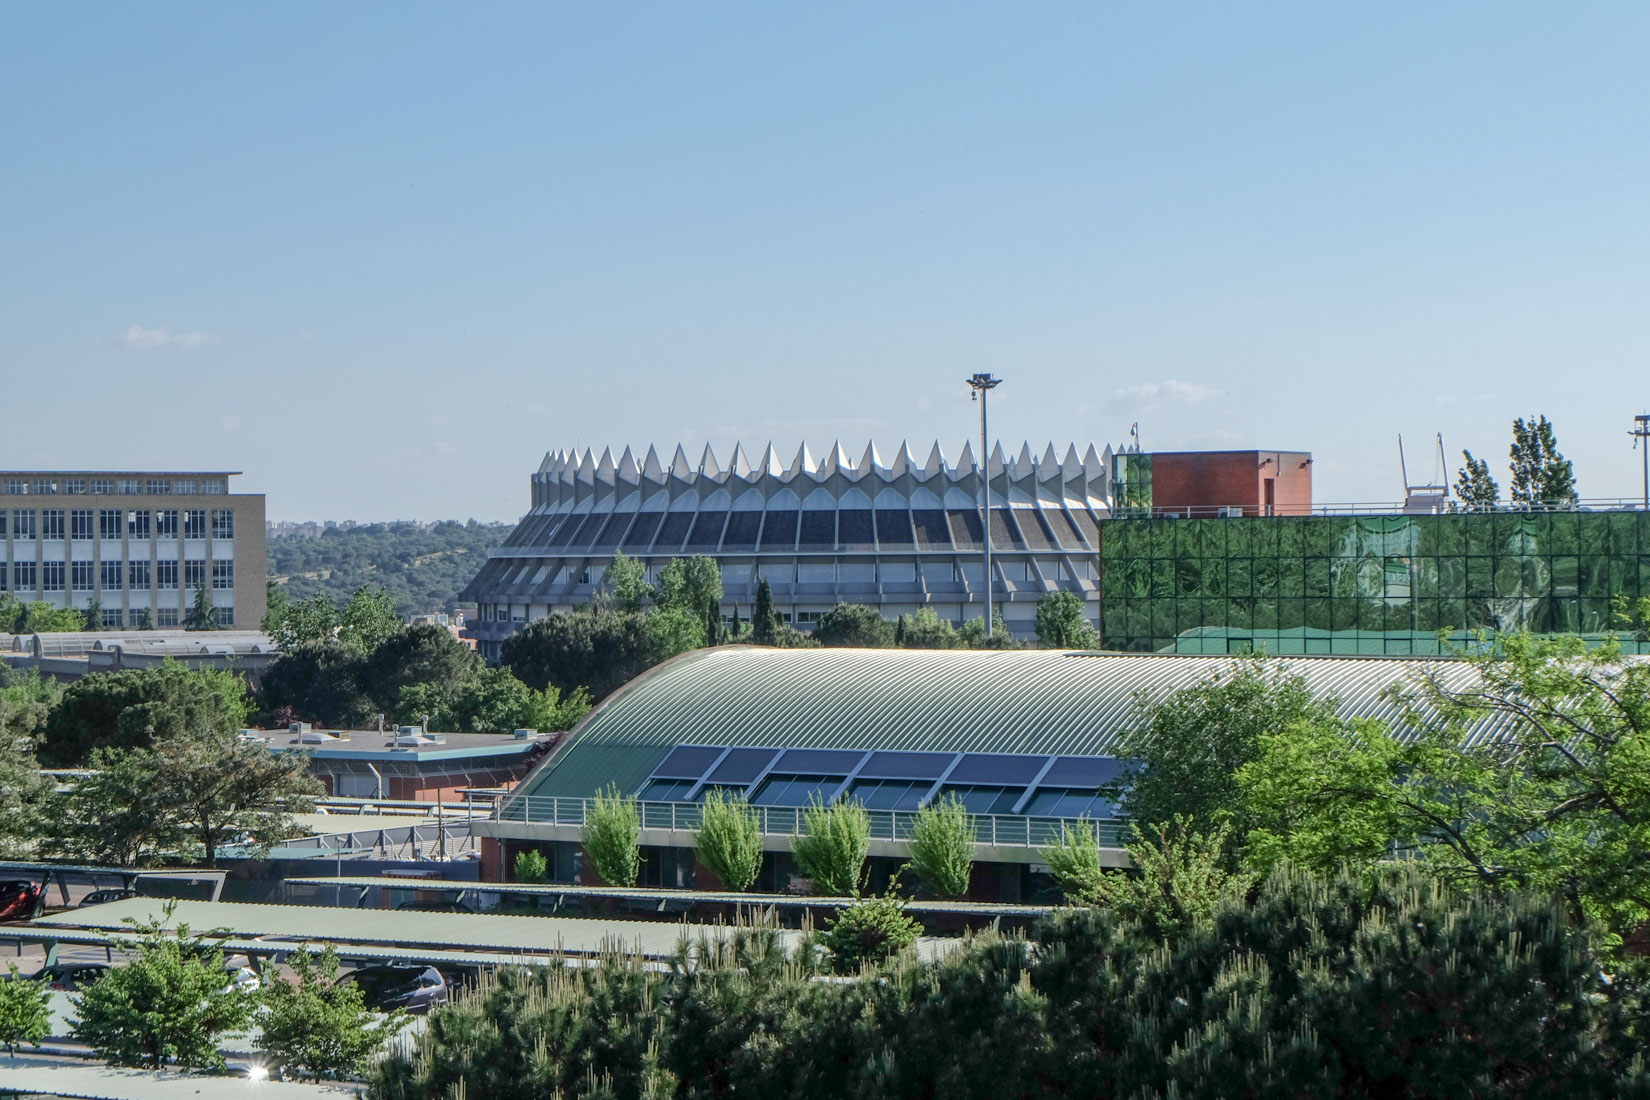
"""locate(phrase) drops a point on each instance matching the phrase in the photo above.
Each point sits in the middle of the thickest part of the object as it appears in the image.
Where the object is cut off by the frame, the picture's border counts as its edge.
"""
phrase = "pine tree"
(1540, 474)
(713, 621)
(899, 633)
(94, 614)
(762, 619)
(1475, 487)
(203, 616)
(733, 632)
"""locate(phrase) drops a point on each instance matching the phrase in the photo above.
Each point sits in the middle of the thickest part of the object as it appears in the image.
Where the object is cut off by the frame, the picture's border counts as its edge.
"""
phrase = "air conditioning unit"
(299, 728)
(1231, 511)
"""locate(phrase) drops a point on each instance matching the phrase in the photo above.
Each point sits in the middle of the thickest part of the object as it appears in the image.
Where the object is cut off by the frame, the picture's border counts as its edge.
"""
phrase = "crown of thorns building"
(896, 535)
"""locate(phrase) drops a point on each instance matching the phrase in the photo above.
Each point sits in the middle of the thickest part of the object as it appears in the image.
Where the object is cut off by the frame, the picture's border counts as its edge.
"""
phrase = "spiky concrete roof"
(566, 475)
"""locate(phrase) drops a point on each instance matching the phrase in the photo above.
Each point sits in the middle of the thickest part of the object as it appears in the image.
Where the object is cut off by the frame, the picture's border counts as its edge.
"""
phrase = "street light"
(981, 386)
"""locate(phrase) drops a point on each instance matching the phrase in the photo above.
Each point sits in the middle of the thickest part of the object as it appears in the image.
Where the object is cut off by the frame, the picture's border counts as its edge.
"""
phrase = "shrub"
(531, 866)
(25, 1012)
(729, 840)
(612, 829)
(942, 847)
(1075, 862)
(869, 932)
(832, 852)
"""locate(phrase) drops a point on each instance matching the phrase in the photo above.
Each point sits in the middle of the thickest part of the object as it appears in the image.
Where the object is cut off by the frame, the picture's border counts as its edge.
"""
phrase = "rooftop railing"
(1366, 508)
(998, 830)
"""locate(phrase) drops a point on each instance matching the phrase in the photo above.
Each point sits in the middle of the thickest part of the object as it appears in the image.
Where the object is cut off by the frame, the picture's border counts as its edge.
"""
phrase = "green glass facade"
(1365, 585)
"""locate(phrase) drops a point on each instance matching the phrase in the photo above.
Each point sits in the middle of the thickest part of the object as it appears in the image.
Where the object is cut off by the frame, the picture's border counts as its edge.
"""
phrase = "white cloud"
(139, 337)
(231, 421)
(1172, 390)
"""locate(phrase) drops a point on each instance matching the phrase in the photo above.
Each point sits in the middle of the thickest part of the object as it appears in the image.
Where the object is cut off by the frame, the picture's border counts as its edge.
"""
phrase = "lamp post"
(980, 386)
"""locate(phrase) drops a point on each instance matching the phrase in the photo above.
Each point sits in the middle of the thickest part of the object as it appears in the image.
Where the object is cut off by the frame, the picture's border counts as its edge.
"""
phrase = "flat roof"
(783, 901)
(402, 928)
(88, 1081)
(370, 744)
(120, 473)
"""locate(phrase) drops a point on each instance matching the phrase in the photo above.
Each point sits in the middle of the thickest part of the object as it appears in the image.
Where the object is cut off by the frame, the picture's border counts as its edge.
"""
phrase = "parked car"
(390, 986)
(21, 900)
(70, 976)
(104, 897)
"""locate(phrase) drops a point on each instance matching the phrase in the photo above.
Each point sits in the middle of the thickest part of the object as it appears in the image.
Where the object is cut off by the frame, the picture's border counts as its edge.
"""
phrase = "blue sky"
(382, 257)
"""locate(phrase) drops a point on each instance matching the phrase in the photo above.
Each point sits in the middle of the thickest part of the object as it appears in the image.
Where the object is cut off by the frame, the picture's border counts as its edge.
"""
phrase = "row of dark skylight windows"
(849, 529)
(986, 783)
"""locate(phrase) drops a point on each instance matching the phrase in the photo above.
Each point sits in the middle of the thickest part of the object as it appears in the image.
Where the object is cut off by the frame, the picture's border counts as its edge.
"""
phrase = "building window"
(109, 524)
(51, 576)
(214, 488)
(16, 488)
(223, 523)
(75, 485)
(159, 487)
(137, 574)
(83, 576)
(166, 575)
(51, 523)
(109, 576)
(226, 618)
(45, 488)
(166, 616)
(80, 523)
(3, 515)
(22, 523)
(22, 576)
(102, 485)
(194, 524)
(137, 523)
(111, 618)
(130, 487)
(184, 488)
(194, 573)
(223, 574)
(166, 523)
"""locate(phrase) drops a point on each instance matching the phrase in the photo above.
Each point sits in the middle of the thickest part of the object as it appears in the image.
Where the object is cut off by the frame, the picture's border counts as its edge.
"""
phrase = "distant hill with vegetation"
(422, 567)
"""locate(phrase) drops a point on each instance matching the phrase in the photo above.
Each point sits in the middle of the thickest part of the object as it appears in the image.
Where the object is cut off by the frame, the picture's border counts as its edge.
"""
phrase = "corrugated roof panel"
(1023, 702)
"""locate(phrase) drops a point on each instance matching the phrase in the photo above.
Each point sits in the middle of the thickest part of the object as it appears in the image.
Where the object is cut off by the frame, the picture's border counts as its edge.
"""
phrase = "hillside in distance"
(422, 568)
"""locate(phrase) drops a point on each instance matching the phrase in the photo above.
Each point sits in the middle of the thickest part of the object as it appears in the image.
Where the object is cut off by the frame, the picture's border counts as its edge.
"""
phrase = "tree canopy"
(132, 708)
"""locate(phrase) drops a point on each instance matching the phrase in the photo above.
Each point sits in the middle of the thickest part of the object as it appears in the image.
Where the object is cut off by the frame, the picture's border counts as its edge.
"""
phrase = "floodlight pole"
(1641, 439)
(981, 385)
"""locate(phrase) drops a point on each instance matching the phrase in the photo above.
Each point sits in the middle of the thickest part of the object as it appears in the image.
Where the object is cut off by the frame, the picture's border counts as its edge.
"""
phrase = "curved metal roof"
(1012, 701)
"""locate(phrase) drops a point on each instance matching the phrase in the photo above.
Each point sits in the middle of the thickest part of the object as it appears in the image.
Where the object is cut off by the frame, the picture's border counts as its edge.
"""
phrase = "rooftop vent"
(299, 728)
(317, 737)
(522, 735)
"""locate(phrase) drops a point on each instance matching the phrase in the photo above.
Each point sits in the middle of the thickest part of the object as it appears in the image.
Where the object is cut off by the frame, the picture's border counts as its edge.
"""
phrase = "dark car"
(104, 897)
(21, 900)
(70, 976)
(390, 986)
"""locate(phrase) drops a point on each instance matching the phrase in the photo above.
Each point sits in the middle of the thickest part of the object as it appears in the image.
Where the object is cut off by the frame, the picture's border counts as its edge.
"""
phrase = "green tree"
(1475, 488)
(531, 867)
(26, 703)
(320, 1026)
(626, 582)
(729, 840)
(1061, 623)
(924, 629)
(762, 616)
(369, 619)
(39, 617)
(674, 630)
(185, 798)
(146, 620)
(1075, 862)
(611, 834)
(168, 1005)
(1189, 745)
(833, 846)
(853, 626)
(972, 635)
(422, 653)
(203, 614)
(93, 613)
(942, 846)
(494, 701)
(424, 569)
(25, 1012)
(1540, 474)
(322, 682)
(713, 623)
(599, 650)
(869, 932)
(310, 621)
(1178, 882)
(1532, 777)
(276, 608)
(689, 584)
(131, 708)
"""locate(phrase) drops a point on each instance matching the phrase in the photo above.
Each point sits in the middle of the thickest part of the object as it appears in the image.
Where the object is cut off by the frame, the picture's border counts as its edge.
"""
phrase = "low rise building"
(408, 765)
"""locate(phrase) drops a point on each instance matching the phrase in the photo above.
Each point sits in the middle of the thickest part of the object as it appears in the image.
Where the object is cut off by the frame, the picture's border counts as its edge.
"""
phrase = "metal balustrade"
(1002, 830)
